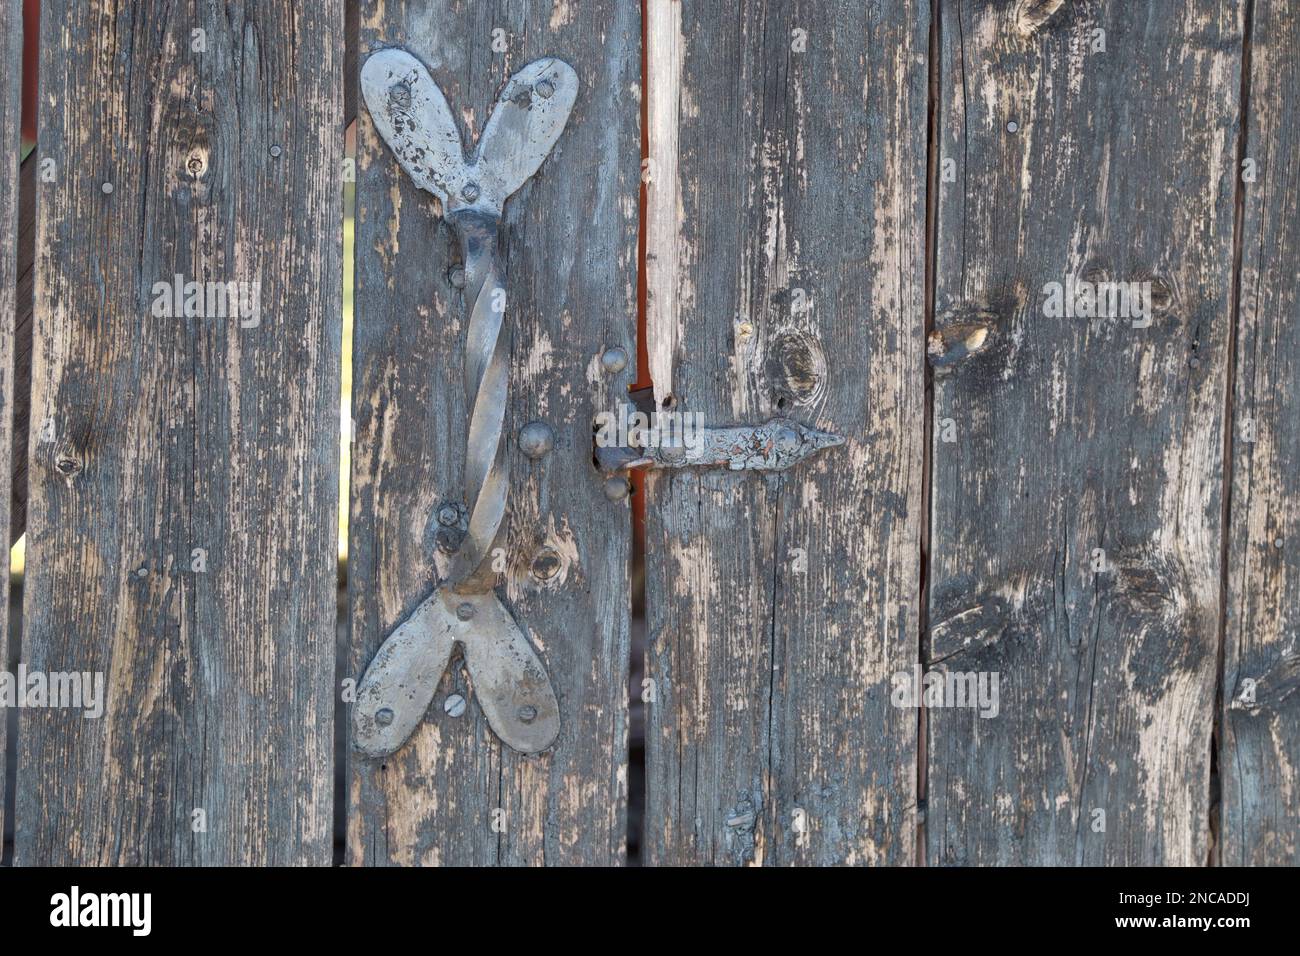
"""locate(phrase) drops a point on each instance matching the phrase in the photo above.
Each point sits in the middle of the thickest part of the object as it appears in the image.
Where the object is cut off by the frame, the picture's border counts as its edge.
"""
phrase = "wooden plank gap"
(1214, 802)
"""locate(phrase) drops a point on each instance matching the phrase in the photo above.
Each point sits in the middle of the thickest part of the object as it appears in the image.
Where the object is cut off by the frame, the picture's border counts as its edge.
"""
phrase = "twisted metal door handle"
(510, 682)
(487, 368)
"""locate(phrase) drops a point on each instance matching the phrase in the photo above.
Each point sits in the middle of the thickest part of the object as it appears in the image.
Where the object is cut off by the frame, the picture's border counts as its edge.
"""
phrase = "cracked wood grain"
(786, 231)
(11, 45)
(1259, 756)
(455, 795)
(159, 436)
(1073, 437)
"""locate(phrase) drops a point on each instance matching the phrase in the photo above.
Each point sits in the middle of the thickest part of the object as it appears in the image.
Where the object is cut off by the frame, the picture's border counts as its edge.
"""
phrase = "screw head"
(546, 564)
(1012, 126)
(617, 488)
(448, 516)
(276, 150)
(536, 439)
(527, 713)
(545, 89)
(107, 188)
(465, 612)
(471, 192)
(448, 540)
(454, 705)
(384, 716)
(457, 277)
(613, 360)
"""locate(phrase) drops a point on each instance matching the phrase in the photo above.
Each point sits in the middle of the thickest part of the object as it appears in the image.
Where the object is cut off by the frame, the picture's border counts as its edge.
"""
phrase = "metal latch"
(411, 114)
(773, 446)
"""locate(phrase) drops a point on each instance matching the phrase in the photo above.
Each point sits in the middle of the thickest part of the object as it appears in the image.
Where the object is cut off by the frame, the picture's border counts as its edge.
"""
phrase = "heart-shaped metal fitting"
(412, 116)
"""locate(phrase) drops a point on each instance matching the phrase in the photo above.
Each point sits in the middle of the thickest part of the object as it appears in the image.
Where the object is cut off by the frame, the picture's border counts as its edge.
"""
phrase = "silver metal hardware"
(536, 439)
(772, 446)
(505, 671)
(613, 360)
(411, 114)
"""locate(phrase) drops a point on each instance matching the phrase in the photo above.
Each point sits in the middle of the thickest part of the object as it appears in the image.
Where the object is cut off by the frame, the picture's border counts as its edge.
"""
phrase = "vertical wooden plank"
(454, 795)
(786, 278)
(1259, 759)
(182, 533)
(1080, 142)
(22, 346)
(11, 45)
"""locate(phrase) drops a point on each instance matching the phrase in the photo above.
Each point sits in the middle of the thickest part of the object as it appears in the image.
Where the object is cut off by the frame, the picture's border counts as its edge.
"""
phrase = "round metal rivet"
(616, 489)
(142, 573)
(528, 713)
(1013, 126)
(107, 188)
(448, 540)
(457, 277)
(546, 564)
(384, 716)
(454, 705)
(448, 516)
(465, 612)
(470, 192)
(545, 89)
(613, 360)
(1277, 542)
(672, 452)
(276, 151)
(536, 439)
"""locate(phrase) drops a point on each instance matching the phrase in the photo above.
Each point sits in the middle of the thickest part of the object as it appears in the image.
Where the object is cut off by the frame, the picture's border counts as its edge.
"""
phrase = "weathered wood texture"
(1076, 434)
(158, 436)
(11, 45)
(1259, 761)
(571, 244)
(786, 277)
(22, 358)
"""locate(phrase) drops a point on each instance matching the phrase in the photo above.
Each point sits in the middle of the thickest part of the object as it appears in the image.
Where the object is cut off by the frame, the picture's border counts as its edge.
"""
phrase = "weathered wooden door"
(180, 530)
(454, 794)
(1031, 264)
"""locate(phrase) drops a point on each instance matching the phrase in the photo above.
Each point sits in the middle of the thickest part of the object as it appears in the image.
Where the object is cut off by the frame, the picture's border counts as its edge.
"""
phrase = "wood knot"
(67, 466)
(794, 366)
(196, 163)
(1032, 15)
(954, 343)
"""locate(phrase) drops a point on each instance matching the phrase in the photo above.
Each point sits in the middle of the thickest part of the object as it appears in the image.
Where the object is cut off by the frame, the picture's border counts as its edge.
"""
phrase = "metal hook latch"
(773, 446)
(411, 114)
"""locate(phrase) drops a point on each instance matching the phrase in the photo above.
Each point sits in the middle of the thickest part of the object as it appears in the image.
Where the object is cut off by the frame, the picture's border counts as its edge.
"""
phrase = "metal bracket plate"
(510, 682)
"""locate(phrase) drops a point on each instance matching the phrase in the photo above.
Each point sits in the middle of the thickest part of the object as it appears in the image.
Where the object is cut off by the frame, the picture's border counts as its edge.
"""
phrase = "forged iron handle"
(411, 114)
(487, 372)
